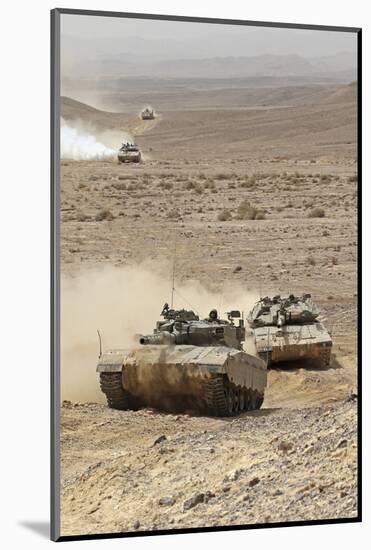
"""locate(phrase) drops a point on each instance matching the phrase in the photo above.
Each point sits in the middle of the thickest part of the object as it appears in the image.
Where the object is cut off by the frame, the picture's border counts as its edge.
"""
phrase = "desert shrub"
(224, 216)
(104, 214)
(325, 178)
(165, 185)
(246, 211)
(222, 176)
(352, 179)
(311, 260)
(209, 184)
(247, 184)
(190, 185)
(119, 186)
(81, 217)
(260, 215)
(173, 214)
(198, 188)
(316, 213)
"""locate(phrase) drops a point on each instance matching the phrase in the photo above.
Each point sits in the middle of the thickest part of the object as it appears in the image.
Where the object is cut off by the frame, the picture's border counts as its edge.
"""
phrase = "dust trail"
(122, 303)
(81, 141)
(78, 145)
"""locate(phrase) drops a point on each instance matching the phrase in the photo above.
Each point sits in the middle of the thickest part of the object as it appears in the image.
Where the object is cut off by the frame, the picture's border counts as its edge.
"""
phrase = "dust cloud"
(80, 141)
(122, 303)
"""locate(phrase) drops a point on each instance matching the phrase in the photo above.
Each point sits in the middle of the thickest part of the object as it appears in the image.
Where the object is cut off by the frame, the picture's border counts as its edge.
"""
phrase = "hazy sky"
(172, 39)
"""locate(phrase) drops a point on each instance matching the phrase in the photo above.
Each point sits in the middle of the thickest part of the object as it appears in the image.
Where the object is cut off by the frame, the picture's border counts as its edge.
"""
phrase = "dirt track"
(296, 458)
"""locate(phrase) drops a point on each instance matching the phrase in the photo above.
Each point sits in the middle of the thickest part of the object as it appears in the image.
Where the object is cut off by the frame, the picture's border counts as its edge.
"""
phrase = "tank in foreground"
(187, 363)
(288, 329)
(129, 152)
(147, 114)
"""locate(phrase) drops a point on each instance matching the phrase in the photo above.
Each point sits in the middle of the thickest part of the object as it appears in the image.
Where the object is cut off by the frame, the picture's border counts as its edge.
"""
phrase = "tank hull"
(219, 381)
(129, 157)
(293, 342)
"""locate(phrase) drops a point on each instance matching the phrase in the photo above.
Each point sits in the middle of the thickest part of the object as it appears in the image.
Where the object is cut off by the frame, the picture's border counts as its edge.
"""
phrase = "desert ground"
(249, 191)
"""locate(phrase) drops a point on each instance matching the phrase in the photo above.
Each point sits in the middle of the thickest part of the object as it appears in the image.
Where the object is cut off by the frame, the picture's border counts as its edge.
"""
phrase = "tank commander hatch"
(213, 316)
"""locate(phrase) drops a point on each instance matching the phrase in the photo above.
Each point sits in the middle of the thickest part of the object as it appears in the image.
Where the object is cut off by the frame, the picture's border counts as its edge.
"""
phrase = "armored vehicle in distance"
(186, 363)
(129, 152)
(287, 328)
(147, 114)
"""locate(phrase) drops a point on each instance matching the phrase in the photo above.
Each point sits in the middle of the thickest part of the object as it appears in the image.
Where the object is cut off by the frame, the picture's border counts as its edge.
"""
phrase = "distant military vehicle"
(287, 328)
(189, 362)
(129, 152)
(147, 114)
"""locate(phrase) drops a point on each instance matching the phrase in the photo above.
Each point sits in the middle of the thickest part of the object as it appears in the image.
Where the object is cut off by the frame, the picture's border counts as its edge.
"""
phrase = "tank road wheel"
(111, 386)
(241, 400)
(219, 397)
(324, 358)
(230, 400)
(259, 400)
(252, 400)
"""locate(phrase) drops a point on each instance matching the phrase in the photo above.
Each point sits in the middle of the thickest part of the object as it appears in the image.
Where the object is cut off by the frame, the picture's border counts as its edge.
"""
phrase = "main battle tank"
(187, 363)
(147, 114)
(129, 152)
(287, 328)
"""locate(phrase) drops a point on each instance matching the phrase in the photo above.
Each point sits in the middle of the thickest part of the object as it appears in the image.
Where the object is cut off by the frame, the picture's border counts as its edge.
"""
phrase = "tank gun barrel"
(163, 337)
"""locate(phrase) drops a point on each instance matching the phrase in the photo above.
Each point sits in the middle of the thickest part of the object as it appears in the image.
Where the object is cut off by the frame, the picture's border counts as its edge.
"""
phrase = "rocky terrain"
(254, 193)
(125, 471)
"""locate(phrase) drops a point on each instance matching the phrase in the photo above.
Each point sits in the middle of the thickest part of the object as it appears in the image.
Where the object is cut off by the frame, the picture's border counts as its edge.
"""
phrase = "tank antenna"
(173, 278)
(100, 344)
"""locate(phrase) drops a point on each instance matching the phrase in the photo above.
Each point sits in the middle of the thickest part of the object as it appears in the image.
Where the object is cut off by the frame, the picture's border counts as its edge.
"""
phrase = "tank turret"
(183, 327)
(129, 152)
(287, 328)
(147, 114)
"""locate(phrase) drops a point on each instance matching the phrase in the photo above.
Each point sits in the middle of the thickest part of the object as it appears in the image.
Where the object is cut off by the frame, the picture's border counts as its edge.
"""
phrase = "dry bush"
(173, 214)
(246, 211)
(311, 260)
(104, 214)
(198, 188)
(317, 213)
(209, 184)
(190, 185)
(119, 186)
(165, 185)
(224, 216)
(81, 217)
(222, 176)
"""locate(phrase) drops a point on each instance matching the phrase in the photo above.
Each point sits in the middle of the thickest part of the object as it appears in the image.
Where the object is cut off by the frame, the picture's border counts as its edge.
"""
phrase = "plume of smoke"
(122, 303)
(77, 144)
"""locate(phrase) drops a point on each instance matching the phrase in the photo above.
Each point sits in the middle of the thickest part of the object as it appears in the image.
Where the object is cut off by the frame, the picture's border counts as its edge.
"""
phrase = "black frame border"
(55, 273)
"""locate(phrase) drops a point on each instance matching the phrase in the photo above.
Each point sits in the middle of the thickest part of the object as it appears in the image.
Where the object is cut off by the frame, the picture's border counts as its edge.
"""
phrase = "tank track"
(226, 399)
(111, 386)
(325, 357)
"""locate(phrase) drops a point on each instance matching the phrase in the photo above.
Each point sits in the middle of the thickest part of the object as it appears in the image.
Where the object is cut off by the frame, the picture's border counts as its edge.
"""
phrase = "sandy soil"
(295, 164)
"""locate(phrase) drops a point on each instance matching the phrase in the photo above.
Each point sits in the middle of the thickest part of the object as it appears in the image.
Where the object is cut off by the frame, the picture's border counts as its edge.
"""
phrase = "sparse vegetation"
(224, 216)
(246, 211)
(316, 213)
(104, 214)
